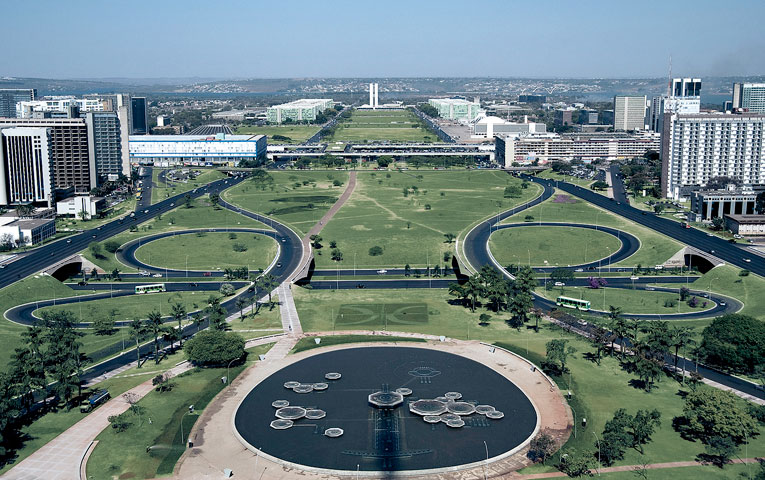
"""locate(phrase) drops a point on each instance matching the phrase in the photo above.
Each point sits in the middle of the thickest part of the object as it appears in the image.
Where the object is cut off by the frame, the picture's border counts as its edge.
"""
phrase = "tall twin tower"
(373, 95)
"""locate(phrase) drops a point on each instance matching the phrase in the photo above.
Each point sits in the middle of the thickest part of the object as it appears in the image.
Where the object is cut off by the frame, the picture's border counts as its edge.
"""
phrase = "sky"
(384, 38)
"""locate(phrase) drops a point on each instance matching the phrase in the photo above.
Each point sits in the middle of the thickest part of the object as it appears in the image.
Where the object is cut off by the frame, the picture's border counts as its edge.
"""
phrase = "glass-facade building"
(749, 96)
(303, 110)
(455, 108)
(9, 97)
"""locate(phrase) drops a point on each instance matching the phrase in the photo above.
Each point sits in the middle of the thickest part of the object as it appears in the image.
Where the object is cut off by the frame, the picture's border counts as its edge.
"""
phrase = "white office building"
(629, 113)
(171, 150)
(697, 147)
(26, 167)
(74, 206)
(303, 110)
(749, 97)
(488, 127)
(457, 109)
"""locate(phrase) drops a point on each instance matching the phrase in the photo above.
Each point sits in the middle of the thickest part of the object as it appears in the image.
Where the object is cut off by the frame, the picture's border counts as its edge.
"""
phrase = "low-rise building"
(221, 149)
(708, 204)
(26, 231)
(303, 110)
(457, 109)
(745, 224)
(74, 206)
(488, 127)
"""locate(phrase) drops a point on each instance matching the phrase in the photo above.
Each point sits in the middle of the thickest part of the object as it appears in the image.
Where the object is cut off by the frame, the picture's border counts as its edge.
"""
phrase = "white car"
(382, 272)
(748, 260)
(560, 284)
(157, 275)
(634, 277)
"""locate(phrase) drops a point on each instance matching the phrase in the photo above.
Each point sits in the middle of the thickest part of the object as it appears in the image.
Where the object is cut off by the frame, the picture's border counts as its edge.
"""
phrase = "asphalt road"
(617, 181)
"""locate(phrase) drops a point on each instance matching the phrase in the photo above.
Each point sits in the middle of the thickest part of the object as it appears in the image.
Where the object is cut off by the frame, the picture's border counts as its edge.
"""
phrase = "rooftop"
(747, 219)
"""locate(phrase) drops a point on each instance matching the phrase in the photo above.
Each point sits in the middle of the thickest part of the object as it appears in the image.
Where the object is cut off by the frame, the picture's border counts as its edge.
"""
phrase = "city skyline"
(174, 39)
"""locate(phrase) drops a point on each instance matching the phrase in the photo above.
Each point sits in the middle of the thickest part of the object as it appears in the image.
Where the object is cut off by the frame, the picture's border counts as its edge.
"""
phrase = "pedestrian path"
(290, 319)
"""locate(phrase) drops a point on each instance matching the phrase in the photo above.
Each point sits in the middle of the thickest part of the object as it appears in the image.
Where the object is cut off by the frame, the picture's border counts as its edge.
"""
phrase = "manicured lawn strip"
(631, 301)
(709, 472)
(75, 223)
(201, 215)
(309, 343)
(296, 133)
(288, 200)
(133, 306)
(654, 249)
(551, 246)
(268, 318)
(164, 191)
(381, 125)
(210, 251)
(125, 453)
(378, 214)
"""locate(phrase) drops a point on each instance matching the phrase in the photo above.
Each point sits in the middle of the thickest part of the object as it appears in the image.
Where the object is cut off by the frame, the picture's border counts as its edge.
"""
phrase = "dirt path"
(631, 468)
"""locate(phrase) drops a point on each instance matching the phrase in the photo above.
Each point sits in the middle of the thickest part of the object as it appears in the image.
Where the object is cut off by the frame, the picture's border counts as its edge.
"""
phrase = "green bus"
(153, 288)
(572, 303)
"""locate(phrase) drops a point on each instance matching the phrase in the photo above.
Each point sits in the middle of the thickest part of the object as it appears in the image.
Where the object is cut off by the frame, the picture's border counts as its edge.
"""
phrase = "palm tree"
(474, 290)
(156, 328)
(267, 283)
(137, 330)
(240, 304)
(179, 313)
(457, 290)
(679, 337)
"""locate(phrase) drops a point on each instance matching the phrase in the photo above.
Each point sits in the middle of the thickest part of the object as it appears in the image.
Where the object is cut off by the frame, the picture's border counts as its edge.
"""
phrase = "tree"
(154, 325)
(215, 200)
(658, 208)
(83, 214)
(513, 191)
(557, 352)
(64, 360)
(560, 274)
(240, 304)
(214, 348)
(718, 223)
(576, 464)
(267, 283)
(484, 319)
(459, 291)
(137, 329)
(519, 307)
(407, 270)
(618, 326)
(375, 251)
(216, 313)
(336, 255)
(710, 413)
(226, 289)
(111, 246)
(541, 447)
(27, 366)
(187, 201)
(679, 337)
(316, 241)
(96, 250)
(178, 312)
(734, 342)
(600, 339)
(449, 237)
(599, 185)
(474, 289)
(104, 326)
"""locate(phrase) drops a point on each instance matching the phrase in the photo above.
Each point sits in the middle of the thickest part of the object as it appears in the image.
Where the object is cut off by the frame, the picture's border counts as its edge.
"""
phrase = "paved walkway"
(60, 458)
(290, 319)
(631, 468)
(303, 267)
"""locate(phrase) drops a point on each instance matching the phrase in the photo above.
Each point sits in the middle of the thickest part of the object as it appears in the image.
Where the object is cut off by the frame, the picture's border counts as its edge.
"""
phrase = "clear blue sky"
(360, 38)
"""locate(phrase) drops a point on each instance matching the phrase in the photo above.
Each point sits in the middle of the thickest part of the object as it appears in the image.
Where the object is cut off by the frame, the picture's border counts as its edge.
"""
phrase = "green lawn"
(410, 228)
(382, 125)
(267, 321)
(708, 472)
(295, 133)
(133, 306)
(725, 279)
(166, 190)
(201, 215)
(548, 246)
(631, 301)
(75, 223)
(297, 198)
(655, 248)
(309, 343)
(124, 454)
(210, 251)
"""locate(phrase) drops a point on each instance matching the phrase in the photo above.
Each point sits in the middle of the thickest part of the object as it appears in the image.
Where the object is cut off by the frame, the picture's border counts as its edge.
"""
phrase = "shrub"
(375, 251)
(214, 347)
(239, 247)
(111, 246)
(227, 289)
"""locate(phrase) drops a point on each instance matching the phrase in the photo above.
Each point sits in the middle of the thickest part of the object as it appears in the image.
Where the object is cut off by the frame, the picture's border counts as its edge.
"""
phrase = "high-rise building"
(697, 147)
(749, 97)
(684, 97)
(629, 113)
(564, 116)
(9, 97)
(105, 144)
(139, 116)
(73, 166)
(26, 170)
(455, 108)
(303, 110)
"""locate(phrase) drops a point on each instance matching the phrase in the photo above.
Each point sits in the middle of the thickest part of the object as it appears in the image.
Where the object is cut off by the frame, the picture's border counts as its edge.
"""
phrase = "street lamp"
(191, 410)
(486, 465)
(187, 266)
(597, 440)
(228, 370)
